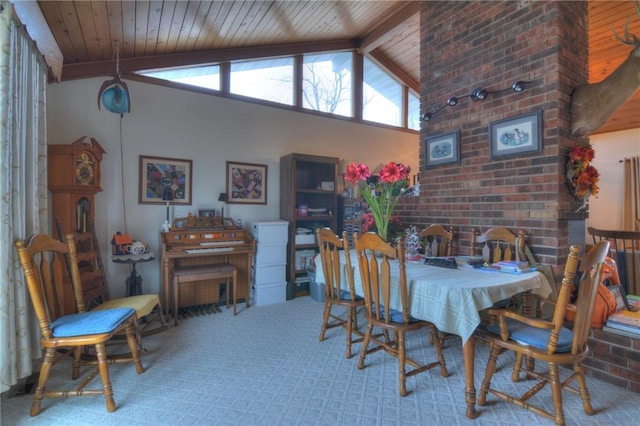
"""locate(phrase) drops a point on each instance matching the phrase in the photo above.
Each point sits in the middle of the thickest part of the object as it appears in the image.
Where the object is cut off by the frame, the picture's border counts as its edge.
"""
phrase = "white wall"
(209, 131)
(605, 211)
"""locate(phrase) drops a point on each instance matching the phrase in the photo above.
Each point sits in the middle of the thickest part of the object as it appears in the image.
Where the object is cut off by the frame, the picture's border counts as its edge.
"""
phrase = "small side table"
(134, 281)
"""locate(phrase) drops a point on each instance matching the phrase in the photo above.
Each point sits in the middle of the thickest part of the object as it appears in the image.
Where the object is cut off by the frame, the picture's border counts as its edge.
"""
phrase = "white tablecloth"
(452, 298)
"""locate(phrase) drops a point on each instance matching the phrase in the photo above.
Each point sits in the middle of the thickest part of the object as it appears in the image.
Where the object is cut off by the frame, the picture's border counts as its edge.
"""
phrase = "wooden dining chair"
(387, 307)
(549, 341)
(42, 259)
(438, 240)
(337, 294)
(498, 243)
(625, 250)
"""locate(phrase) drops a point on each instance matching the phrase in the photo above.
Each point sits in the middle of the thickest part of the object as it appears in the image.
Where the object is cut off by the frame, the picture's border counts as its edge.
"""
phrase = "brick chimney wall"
(490, 45)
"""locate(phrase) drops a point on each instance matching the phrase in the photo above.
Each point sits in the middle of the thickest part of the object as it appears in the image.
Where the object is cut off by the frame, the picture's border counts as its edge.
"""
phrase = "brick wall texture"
(614, 359)
(490, 45)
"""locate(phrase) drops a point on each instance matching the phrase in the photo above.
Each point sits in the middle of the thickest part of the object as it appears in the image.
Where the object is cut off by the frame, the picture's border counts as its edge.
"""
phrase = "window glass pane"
(326, 82)
(413, 121)
(269, 79)
(208, 76)
(382, 96)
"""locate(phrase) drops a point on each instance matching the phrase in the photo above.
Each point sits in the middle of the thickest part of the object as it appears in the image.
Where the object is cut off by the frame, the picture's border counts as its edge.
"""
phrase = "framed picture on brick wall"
(442, 149)
(516, 135)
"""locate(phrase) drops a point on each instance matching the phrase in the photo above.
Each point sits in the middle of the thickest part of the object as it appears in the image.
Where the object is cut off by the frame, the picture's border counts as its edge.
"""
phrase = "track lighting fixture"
(479, 95)
(427, 116)
(519, 86)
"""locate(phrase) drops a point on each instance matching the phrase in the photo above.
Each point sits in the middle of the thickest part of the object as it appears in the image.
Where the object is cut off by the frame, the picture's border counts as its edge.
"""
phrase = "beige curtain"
(23, 189)
(631, 195)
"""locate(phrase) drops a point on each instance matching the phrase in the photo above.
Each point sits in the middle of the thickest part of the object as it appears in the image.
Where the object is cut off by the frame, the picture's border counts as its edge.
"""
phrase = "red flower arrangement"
(581, 176)
(383, 194)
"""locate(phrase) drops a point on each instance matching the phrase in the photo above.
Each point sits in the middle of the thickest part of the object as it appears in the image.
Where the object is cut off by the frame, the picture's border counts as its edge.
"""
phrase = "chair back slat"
(375, 258)
(330, 246)
(591, 269)
(438, 240)
(42, 260)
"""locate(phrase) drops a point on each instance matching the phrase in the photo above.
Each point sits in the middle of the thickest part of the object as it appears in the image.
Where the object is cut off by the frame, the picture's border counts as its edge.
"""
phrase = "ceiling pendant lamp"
(114, 93)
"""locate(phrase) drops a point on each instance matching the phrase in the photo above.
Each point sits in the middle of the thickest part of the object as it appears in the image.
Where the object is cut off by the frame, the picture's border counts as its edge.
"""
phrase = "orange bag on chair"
(605, 300)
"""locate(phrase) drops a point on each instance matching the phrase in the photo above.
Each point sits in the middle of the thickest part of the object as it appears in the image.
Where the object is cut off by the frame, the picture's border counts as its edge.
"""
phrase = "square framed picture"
(164, 179)
(515, 136)
(442, 149)
(246, 183)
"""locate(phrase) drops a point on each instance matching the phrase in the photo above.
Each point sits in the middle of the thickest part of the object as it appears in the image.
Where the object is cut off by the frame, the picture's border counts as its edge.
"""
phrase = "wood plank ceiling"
(153, 34)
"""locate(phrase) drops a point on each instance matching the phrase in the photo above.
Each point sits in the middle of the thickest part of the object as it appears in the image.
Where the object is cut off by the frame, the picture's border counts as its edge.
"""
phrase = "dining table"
(452, 299)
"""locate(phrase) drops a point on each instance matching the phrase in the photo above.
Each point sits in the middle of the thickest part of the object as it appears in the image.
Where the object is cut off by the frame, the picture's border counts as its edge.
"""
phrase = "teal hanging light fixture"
(114, 93)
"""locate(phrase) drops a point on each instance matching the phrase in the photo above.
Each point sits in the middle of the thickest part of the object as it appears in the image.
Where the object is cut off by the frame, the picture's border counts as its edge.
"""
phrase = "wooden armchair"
(335, 294)
(381, 292)
(438, 240)
(42, 260)
(549, 341)
(625, 250)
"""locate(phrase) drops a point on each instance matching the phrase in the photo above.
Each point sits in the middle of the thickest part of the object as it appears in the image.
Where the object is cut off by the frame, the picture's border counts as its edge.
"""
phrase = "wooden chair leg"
(45, 370)
(556, 393)
(365, 345)
(584, 392)
(235, 288)
(488, 374)
(103, 368)
(325, 320)
(402, 359)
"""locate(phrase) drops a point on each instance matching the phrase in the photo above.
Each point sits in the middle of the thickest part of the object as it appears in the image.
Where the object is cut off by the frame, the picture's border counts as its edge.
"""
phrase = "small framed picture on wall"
(442, 149)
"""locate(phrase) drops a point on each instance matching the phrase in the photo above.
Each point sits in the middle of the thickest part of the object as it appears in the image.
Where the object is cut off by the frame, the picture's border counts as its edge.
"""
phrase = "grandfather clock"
(74, 179)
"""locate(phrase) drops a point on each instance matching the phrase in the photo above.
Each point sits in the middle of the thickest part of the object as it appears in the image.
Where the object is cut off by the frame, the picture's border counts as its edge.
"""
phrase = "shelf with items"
(350, 211)
(308, 200)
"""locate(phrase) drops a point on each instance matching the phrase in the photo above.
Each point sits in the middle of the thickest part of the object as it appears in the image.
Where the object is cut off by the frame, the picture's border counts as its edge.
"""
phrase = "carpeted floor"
(267, 367)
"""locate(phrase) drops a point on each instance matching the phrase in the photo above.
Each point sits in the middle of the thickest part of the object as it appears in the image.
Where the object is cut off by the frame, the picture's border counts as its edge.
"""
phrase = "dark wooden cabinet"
(73, 180)
(308, 200)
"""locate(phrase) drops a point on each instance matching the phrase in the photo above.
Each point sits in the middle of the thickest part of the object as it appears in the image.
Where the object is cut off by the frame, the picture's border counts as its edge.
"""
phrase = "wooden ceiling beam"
(31, 17)
(129, 65)
(381, 60)
(389, 28)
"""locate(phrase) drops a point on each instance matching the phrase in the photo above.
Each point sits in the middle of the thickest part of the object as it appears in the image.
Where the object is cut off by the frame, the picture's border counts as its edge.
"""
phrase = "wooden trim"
(389, 28)
(128, 65)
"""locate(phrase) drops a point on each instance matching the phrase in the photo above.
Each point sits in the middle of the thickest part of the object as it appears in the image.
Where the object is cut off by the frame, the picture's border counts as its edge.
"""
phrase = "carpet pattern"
(266, 367)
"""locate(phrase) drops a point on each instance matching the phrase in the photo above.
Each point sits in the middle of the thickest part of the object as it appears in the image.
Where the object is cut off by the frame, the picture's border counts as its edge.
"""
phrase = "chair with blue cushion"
(42, 259)
(387, 306)
(549, 341)
(339, 288)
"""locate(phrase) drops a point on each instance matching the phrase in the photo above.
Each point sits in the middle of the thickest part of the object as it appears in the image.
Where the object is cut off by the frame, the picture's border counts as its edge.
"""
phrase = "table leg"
(134, 282)
(470, 390)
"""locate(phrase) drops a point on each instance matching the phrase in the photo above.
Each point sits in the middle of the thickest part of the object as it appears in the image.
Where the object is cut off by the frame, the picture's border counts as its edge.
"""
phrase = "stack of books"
(625, 320)
(512, 266)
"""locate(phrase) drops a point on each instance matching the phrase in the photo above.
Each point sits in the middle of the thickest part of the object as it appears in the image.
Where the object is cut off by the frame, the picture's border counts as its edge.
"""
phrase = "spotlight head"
(479, 95)
(519, 86)
(427, 116)
(452, 101)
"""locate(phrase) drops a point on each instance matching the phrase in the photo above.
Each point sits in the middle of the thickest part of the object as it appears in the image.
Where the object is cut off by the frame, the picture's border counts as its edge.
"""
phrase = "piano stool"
(204, 273)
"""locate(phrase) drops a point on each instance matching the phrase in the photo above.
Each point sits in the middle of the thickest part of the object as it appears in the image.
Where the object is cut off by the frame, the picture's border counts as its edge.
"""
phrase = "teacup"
(136, 247)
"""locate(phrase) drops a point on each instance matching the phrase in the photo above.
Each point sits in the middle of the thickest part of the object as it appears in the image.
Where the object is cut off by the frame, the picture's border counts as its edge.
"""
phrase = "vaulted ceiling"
(156, 34)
